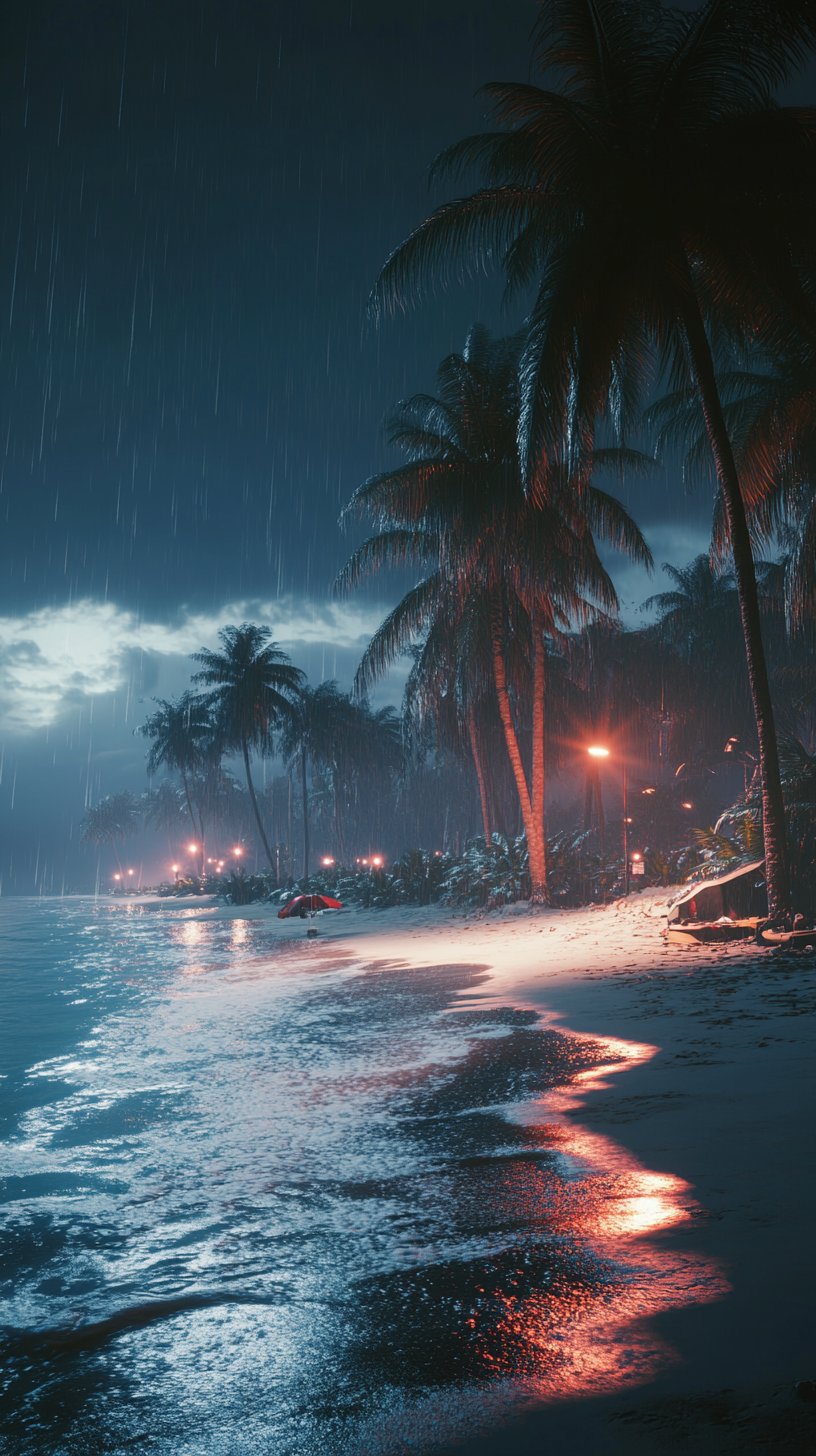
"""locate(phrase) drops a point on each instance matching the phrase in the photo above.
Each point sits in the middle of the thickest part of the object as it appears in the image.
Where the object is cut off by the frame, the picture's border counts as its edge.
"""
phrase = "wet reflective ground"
(260, 1196)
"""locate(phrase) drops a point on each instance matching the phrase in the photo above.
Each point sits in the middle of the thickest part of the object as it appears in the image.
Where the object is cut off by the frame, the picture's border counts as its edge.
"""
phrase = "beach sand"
(725, 1101)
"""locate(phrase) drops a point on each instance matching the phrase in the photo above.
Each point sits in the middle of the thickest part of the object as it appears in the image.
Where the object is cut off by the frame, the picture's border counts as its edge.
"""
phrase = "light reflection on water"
(415, 1233)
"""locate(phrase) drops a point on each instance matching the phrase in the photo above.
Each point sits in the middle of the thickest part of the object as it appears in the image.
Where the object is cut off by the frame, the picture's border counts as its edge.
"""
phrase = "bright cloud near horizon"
(55, 658)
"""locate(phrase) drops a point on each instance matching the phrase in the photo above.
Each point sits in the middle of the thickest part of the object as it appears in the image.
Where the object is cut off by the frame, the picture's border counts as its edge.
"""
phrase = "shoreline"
(717, 1094)
(726, 1103)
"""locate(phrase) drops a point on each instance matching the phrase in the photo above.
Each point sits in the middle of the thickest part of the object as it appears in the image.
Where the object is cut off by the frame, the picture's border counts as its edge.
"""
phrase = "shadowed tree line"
(654, 206)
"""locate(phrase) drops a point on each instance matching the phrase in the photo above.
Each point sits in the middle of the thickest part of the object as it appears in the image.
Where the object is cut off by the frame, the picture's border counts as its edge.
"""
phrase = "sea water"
(261, 1195)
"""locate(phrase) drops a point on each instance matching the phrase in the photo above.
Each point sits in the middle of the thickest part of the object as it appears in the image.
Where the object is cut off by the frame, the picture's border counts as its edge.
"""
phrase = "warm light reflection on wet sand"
(590, 1333)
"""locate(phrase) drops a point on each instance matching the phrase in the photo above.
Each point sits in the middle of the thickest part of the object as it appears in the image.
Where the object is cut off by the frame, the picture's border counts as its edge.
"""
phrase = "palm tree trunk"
(538, 769)
(254, 803)
(538, 866)
(773, 804)
(338, 817)
(476, 750)
(198, 833)
(305, 793)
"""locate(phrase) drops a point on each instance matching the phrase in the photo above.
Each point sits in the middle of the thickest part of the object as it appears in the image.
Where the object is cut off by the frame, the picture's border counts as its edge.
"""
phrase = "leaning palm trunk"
(476, 750)
(534, 830)
(255, 808)
(773, 805)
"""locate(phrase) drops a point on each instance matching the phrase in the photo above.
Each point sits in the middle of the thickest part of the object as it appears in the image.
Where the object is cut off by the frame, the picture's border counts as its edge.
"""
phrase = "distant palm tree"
(182, 733)
(256, 692)
(357, 747)
(656, 198)
(164, 810)
(113, 818)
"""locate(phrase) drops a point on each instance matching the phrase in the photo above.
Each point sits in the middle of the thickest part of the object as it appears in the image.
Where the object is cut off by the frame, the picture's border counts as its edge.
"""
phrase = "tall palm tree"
(113, 818)
(256, 691)
(654, 196)
(182, 733)
(501, 556)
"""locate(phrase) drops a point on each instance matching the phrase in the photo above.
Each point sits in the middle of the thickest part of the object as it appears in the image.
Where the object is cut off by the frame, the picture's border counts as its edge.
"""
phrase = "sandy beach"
(719, 1095)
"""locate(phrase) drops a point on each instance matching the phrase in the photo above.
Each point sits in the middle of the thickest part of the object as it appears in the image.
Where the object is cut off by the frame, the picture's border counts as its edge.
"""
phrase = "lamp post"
(597, 751)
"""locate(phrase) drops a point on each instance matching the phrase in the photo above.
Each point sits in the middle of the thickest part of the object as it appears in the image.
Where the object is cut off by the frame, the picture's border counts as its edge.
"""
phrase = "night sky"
(196, 201)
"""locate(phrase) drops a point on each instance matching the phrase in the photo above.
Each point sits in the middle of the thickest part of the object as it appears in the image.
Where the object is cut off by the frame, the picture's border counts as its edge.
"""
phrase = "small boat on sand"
(727, 908)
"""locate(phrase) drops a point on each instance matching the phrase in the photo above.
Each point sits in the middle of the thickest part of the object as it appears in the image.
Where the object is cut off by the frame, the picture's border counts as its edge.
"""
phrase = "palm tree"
(114, 817)
(505, 562)
(357, 747)
(182, 733)
(164, 810)
(656, 197)
(770, 413)
(256, 691)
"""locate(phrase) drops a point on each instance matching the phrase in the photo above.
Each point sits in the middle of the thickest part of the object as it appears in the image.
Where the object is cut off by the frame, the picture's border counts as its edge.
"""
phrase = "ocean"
(263, 1195)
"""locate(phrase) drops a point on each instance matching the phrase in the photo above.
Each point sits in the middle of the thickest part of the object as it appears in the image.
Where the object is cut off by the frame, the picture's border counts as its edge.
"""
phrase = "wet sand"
(726, 1102)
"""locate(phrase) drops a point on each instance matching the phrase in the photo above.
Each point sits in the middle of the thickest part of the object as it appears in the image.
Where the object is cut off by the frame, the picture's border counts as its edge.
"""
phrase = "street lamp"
(598, 751)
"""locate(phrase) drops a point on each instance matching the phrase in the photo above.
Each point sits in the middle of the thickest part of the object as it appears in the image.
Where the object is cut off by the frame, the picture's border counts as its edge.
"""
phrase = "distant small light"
(628, 821)
(650, 791)
(237, 853)
(687, 805)
(437, 851)
(174, 868)
(131, 872)
(637, 856)
(192, 848)
(598, 752)
(327, 860)
(117, 877)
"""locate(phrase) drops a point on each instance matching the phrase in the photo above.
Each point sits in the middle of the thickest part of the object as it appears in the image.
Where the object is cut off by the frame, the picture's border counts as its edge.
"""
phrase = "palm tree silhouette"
(355, 745)
(182, 733)
(256, 691)
(501, 556)
(115, 817)
(654, 198)
(164, 810)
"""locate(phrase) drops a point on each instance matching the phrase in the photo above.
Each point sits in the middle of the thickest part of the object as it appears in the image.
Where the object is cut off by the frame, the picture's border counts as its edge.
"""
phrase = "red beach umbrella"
(303, 904)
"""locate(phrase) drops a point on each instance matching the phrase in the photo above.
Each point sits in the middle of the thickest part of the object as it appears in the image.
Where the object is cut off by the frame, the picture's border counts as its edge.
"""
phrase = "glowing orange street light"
(192, 848)
(327, 860)
(377, 860)
(117, 877)
(131, 872)
(237, 853)
(598, 752)
(650, 791)
(687, 806)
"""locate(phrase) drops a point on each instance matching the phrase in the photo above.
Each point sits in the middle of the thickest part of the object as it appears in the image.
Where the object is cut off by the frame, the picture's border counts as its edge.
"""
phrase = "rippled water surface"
(262, 1196)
